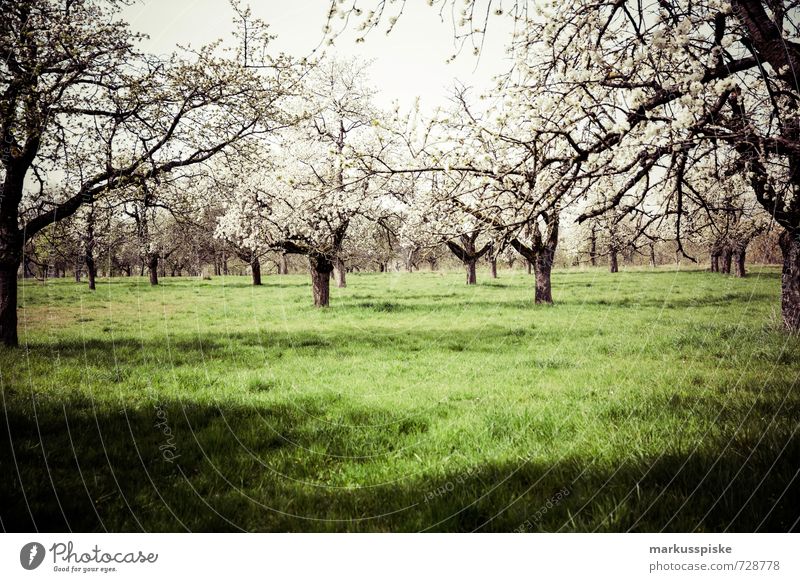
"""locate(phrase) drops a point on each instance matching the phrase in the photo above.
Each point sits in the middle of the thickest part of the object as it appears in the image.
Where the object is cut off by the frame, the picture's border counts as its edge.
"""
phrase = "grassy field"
(644, 401)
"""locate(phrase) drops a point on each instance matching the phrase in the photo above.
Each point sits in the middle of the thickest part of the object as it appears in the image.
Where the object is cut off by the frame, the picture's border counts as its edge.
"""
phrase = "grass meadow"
(647, 400)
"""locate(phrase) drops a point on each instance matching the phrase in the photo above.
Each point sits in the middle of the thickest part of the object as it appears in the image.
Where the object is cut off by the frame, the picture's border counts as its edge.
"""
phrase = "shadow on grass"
(328, 465)
(197, 350)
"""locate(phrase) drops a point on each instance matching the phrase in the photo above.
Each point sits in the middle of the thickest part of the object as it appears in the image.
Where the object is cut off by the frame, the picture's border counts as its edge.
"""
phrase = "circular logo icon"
(31, 555)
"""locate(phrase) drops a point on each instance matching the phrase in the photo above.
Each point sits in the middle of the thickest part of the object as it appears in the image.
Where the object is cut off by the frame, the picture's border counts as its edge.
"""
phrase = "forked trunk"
(152, 267)
(321, 280)
(255, 268)
(472, 277)
(341, 274)
(790, 281)
(543, 267)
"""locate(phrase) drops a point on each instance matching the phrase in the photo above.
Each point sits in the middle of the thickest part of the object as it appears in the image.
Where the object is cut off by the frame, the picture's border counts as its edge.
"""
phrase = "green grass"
(655, 400)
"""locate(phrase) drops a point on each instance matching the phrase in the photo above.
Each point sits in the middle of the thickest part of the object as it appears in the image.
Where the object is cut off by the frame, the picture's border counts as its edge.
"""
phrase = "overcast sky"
(409, 62)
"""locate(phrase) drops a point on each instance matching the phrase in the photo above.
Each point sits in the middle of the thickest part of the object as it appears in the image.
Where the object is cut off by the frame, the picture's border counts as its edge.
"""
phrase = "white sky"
(409, 62)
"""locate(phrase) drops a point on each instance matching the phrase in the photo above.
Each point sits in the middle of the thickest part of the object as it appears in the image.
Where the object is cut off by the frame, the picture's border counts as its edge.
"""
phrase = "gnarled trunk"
(725, 266)
(790, 281)
(543, 267)
(738, 263)
(472, 277)
(341, 273)
(152, 267)
(321, 269)
(255, 269)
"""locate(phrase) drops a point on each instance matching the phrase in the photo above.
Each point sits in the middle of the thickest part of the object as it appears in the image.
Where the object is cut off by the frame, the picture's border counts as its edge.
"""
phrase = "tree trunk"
(88, 251)
(152, 267)
(283, 265)
(471, 272)
(8, 303)
(738, 262)
(321, 269)
(714, 263)
(77, 273)
(593, 248)
(653, 256)
(91, 269)
(529, 266)
(340, 271)
(790, 281)
(613, 264)
(11, 253)
(493, 268)
(255, 269)
(543, 267)
(725, 267)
